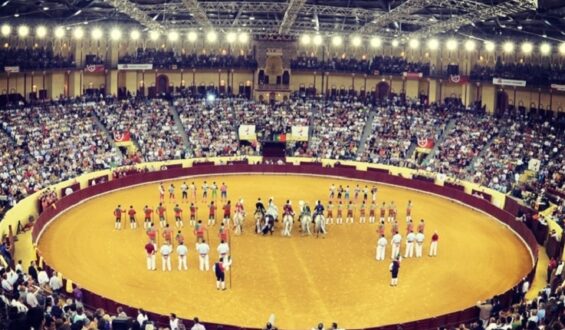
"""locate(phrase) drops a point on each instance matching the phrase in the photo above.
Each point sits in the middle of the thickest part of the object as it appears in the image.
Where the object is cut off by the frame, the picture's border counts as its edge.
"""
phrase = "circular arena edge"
(382, 176)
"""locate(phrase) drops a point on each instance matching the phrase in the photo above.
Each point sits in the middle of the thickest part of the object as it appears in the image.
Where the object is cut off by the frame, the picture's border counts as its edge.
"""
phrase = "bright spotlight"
(305, 40)
(433, 44)
(508, 47)
(154, 35)
(23, 31)
(210, 98)
(78, 33)
(414, 43)
(6, 30)
(337, 41)
(562, 48)
(376, 42)
(212, 36)
(192, 36)
(231, 37)
(59, 32)
(356, 41)
(115, 34)
(134, 35)
(243, 37)
(490, 46)
(451, 44)
(41, 31)
(470, 45)
(395, 43)
(527, 47)
(96, 33)
(545, 48)
(317, 40)
(173, 36)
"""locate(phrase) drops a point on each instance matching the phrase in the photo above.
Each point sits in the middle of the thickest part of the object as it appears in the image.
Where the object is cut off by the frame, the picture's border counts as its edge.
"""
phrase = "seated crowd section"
(533, 74)
(37, 58)
(384, 65)
(50, 142)
(168, 59)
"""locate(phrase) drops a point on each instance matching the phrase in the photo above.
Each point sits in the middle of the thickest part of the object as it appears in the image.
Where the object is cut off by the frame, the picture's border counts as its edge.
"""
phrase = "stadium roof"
(386, 18)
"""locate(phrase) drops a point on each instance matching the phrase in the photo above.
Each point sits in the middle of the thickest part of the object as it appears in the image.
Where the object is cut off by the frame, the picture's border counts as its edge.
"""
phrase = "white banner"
(508, 82)
(12, 69)
(299, 133)
(247, 132)
(135, 66)
(534, 165)
(558, 87)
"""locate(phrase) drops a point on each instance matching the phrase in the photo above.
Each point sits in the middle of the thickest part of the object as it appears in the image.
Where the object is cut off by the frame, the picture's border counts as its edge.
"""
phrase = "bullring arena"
(288, 164)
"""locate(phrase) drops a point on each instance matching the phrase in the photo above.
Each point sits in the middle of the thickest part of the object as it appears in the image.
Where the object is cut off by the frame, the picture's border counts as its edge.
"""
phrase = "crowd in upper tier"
(37, 58)
(51, 142)
(533, 74)
(384, 65)
(168, 59)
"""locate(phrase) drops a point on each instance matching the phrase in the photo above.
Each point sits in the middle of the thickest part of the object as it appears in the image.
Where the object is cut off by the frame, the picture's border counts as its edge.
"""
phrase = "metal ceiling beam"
(198, 14)
(504, 9)
(406, 9)
(294, 7)
(130, 9)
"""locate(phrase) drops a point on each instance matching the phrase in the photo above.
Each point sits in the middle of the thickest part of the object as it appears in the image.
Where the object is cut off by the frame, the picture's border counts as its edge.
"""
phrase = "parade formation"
(306, 219)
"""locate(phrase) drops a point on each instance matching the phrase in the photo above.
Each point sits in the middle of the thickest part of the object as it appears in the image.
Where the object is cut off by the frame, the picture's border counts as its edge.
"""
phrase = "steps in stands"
(180, 127)
(446, 131)
(366, 132)
(109, 136)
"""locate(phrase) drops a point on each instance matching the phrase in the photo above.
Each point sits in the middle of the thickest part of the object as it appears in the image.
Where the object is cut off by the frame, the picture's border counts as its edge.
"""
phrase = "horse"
(269, 225)
(305, 221)
(319, 225)
(287, 223)
(238, 222)
(259, 221)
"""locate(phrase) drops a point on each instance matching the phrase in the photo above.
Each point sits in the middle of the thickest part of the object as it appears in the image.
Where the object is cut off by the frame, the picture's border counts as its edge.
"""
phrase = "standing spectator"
(197, 325)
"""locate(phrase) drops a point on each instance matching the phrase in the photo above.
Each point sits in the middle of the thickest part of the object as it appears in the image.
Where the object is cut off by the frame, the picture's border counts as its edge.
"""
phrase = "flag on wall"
(299, 133)
(458, 79)
(280, 137)
(123, 136)
(94, 68)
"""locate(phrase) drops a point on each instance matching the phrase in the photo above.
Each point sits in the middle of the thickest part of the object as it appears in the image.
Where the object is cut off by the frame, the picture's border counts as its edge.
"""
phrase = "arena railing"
(452, 191)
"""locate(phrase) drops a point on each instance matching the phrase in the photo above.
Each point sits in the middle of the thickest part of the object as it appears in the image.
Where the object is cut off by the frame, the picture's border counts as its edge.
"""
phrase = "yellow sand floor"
(303, 280)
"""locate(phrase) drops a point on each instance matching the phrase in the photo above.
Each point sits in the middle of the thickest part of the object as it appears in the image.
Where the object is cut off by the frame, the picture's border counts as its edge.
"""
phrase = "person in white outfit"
(223, 249)
(381, 247)
(419, 244)
(166, 251)
(410, 238)
(395, 242)
(182, 251)
(203, 249)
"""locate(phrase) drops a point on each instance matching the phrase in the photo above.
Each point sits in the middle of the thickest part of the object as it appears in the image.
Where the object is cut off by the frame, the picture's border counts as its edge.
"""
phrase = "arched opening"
(382, 91)
(162, 84)
(501, 102)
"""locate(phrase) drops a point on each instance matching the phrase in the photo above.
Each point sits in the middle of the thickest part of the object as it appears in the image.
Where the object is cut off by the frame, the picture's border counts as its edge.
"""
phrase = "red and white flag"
(122, 136)
(94, 68)
(426, 143)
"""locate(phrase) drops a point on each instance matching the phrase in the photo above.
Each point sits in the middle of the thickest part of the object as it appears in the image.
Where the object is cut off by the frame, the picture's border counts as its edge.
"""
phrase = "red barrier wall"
(95, 301)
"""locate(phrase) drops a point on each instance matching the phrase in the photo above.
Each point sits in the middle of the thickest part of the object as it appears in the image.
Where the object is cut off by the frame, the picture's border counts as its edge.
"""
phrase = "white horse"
(238, 222)
(305, 221)
(287, 224)
(320, 225)
(259, 220)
